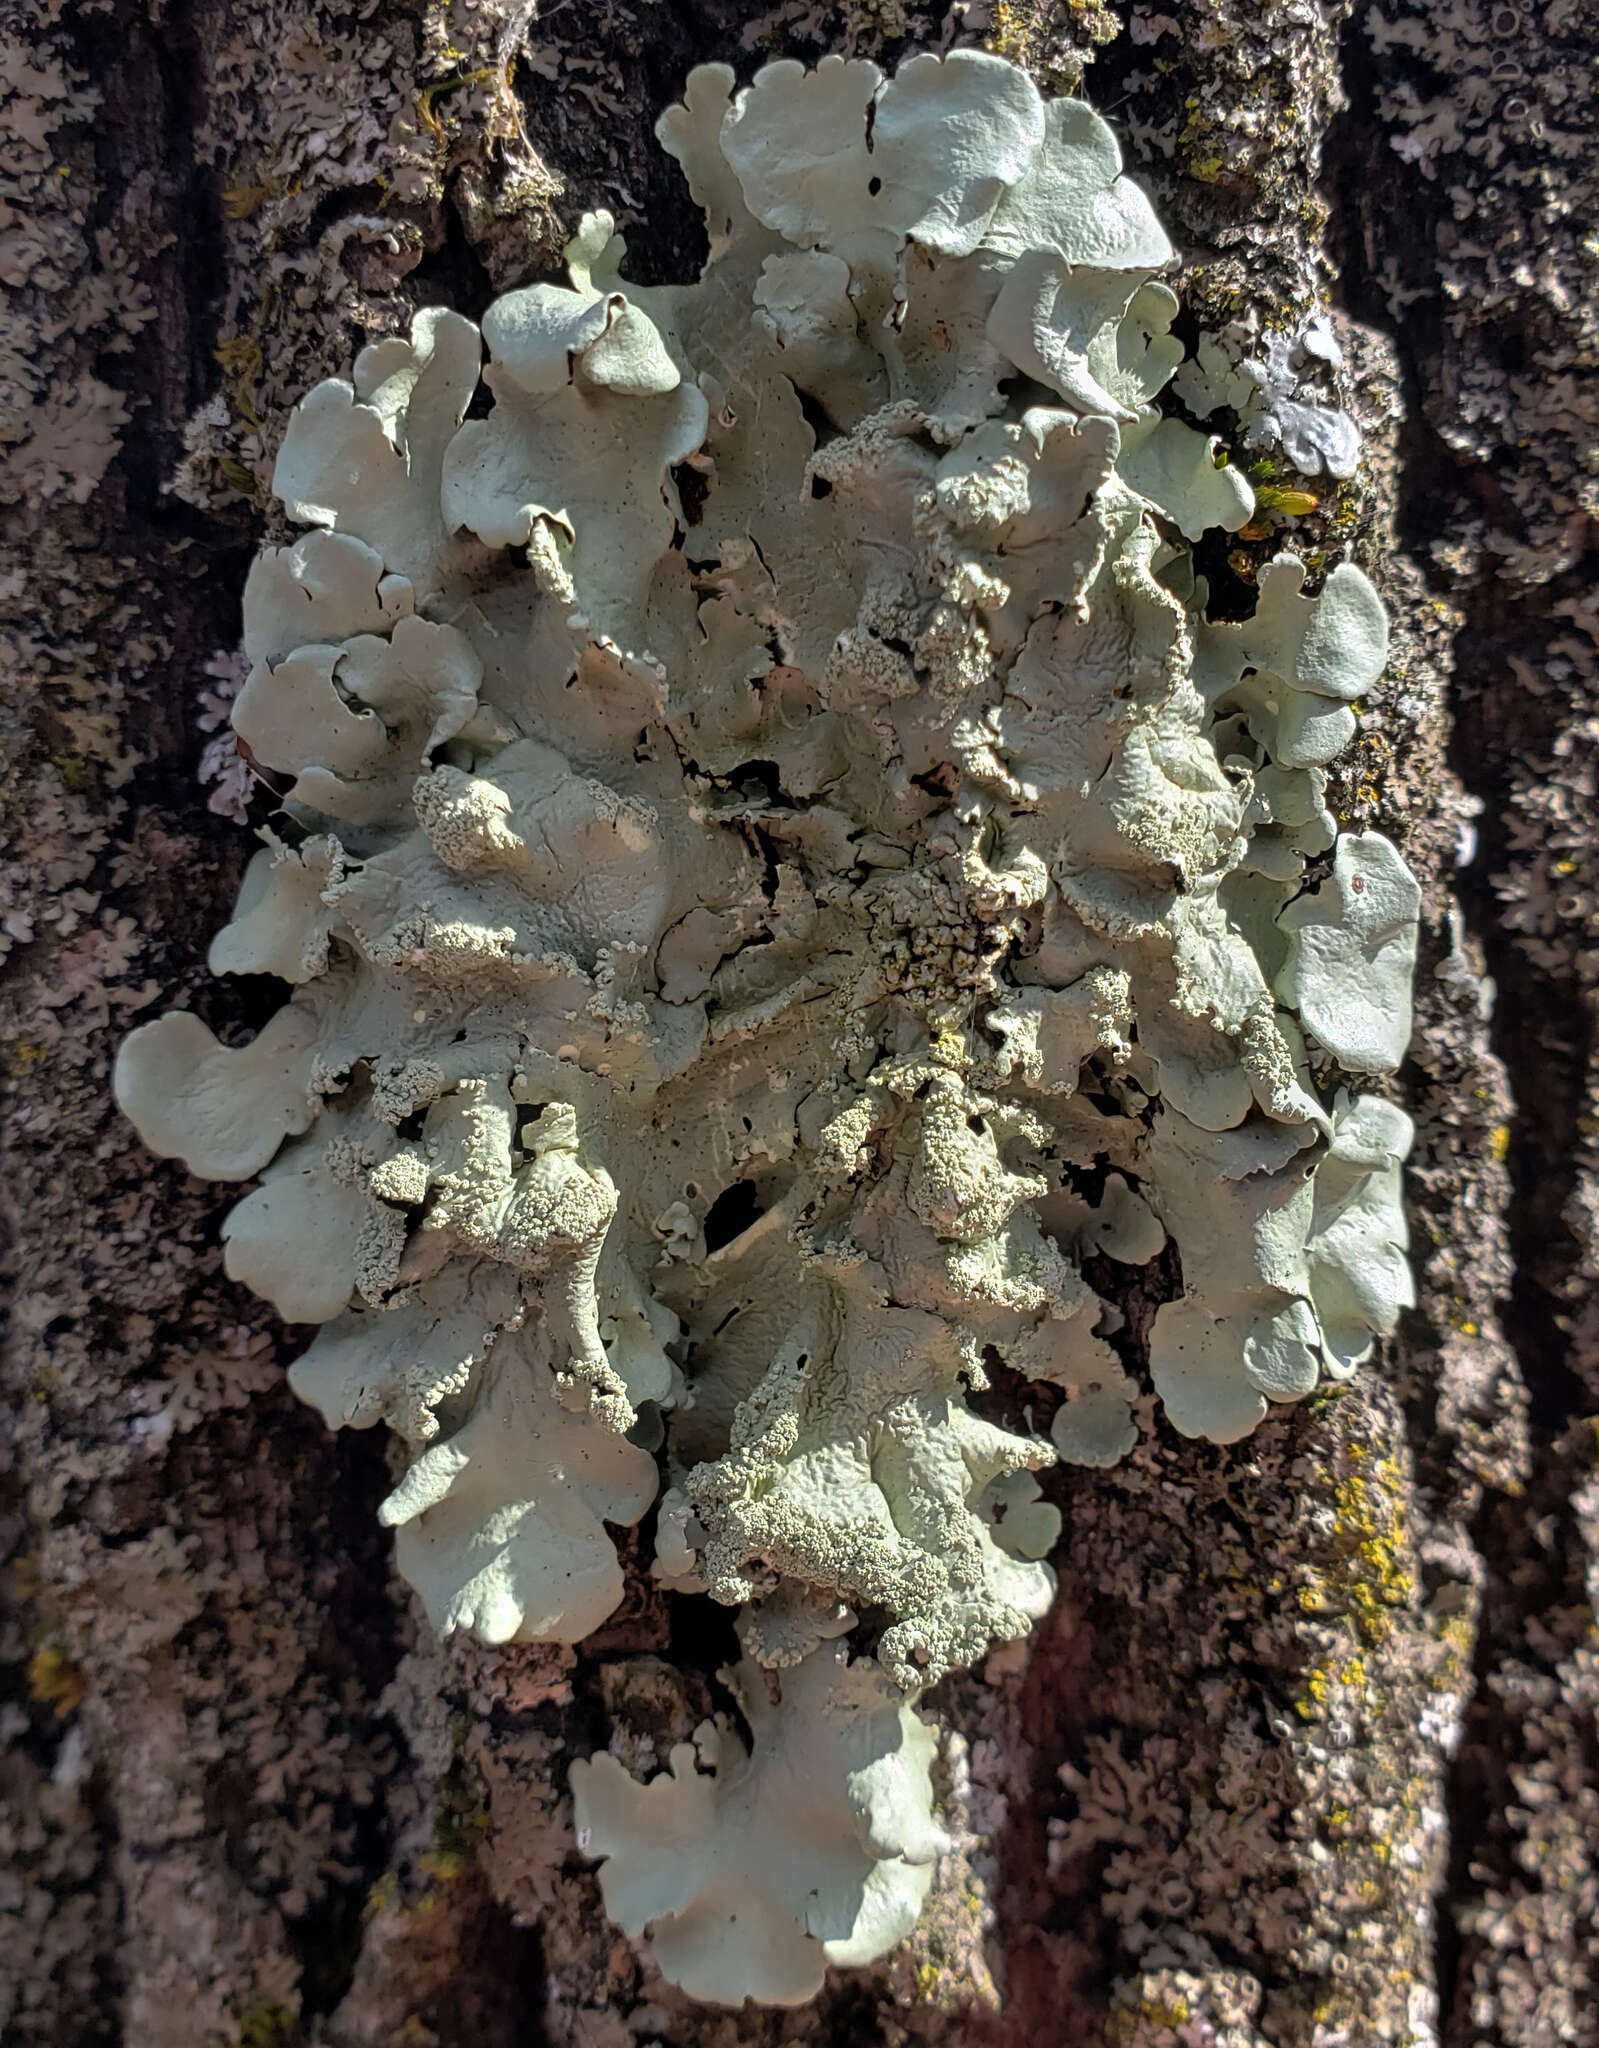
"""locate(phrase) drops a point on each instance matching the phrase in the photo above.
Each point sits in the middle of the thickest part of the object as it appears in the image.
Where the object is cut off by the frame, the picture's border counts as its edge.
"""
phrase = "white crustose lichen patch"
(777, 869)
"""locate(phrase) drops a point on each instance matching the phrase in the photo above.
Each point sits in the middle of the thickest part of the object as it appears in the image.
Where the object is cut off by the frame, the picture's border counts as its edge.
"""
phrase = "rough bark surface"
(1306, 1753)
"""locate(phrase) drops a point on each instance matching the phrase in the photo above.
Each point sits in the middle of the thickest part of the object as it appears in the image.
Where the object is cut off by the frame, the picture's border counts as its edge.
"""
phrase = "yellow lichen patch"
(1055, 50)
(20, 1055)
(240, 358)
(1379, 1574)
(505, 118)
(238, 475)
(54, 1681)
(266, 2025)
(459, 1826)
(945, 1953)
(1366, 1580)
(1130, 2022)
(242, 202)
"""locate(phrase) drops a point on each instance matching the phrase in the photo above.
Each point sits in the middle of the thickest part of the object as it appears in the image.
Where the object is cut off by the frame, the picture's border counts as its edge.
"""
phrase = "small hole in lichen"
(693, 488)
(731, 1214)
(977, 1124)
(874, 186)
(649, 1428)
(756, 779)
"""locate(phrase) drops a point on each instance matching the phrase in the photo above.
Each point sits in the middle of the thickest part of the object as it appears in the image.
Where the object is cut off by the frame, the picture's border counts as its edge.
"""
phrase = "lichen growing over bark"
(910, 752)
(374, 1896)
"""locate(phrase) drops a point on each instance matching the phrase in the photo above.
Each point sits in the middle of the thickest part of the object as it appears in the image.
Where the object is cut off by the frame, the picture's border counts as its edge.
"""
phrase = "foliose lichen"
(778, 867)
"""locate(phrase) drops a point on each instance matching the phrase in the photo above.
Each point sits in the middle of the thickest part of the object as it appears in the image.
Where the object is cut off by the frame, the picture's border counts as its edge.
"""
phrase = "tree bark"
(1305, 1754)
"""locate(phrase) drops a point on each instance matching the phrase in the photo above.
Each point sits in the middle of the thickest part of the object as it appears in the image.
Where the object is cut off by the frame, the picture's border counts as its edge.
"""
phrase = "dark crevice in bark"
(1425, 476)
(1528, 1572)
(582, 147)
(150, 83)
(274, 1469)
(494, 1995)
(338, 1543)
(1544, 1043)
(357, 1654)
(1086, 1683)
(453, 274)
(1541, 1033)
(152, 86)
(582, 144)
(38, 1701)
(1544, 1037)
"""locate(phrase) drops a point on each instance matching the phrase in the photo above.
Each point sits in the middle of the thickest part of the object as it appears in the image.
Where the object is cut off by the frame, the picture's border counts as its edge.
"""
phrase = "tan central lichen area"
(777, 866)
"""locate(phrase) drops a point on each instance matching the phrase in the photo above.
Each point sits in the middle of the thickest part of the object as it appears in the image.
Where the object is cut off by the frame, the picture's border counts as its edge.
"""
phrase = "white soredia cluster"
(777, 868)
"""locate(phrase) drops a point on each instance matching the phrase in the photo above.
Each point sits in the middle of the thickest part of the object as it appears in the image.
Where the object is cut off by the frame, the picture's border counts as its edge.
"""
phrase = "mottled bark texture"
(1306, 1753)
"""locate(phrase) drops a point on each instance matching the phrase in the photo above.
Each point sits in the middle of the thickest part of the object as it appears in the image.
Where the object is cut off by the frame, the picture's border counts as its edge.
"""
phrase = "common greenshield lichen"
(777, 867)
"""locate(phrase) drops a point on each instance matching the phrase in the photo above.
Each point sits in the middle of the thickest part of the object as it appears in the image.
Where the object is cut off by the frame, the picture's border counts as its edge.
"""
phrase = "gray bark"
(1306, 1752)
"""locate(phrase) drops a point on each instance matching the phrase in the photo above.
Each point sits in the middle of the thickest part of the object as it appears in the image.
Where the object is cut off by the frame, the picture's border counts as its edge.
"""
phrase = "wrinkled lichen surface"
(782, 864)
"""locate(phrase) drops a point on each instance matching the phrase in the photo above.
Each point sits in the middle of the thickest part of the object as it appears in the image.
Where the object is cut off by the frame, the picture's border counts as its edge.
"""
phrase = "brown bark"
(1305, 1754)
